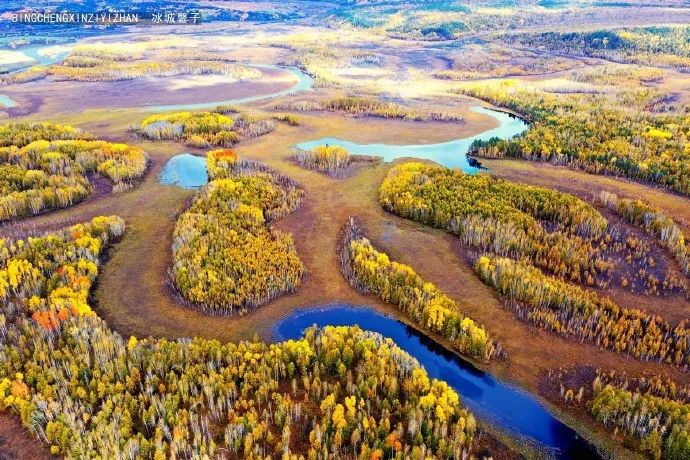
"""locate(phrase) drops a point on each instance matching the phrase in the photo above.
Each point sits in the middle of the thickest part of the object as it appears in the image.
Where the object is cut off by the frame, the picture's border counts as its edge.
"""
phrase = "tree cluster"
(661, 423)
(554, 230)
(328, 159)
(87, 392)
(370, 270)
(368, 107)
(226, 257)
(205, 129)
(594, 132)
(569, 310)
(654, 46)
(653, 221)
(44, 166)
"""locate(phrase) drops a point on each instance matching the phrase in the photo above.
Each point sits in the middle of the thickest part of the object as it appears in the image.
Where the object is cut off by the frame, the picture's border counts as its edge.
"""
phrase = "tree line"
(370, 270)
(598, 133)
(500, 216)
(571, 311)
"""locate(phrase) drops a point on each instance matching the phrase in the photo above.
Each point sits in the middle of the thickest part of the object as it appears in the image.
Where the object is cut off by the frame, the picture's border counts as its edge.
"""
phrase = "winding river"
(502, 405)
(452, 154)
(40, 55)
(304, 83)
(188, 171)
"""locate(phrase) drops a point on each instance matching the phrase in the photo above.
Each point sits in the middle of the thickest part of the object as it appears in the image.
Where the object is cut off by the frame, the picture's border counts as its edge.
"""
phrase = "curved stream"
(38, 56)
(452, 154)
(504, 406)
(189, 171)
(304, 82)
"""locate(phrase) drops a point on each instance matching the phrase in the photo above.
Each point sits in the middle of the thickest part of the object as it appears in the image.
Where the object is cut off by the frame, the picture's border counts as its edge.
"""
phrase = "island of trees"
(46, 166)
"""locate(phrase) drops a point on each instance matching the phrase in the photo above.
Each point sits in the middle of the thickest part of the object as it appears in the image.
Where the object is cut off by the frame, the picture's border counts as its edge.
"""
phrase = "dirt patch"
(16, 443)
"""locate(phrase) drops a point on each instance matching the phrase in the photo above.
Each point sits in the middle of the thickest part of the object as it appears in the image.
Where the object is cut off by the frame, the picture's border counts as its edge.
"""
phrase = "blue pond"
(184, 170)
(504, 406)
(304, 82)
(452, 154)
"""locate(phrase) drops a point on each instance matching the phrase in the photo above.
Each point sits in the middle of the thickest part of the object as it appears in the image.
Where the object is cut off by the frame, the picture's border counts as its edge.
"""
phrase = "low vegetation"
(226, 258)
(370, 270)
(45, 166)
(102, 62)
(368, 107)
(82, 389)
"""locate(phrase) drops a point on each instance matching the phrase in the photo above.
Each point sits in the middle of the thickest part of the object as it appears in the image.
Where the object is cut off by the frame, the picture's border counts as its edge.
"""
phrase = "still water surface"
(452, 154)
(502, 405)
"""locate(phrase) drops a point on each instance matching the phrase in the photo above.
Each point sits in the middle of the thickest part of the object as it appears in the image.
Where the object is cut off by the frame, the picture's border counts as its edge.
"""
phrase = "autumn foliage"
(87, 392)
(44, 166)
(205, 129)
(370, 270)
(570, 310)
(594, 132)
(552, 229)
(226, 257)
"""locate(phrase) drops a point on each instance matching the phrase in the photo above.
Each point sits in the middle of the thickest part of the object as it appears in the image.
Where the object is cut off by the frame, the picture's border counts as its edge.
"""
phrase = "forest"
(507, 221)
(226, 257)
(537, 278)
(570, 310)
(45, 166)
(658, 46)
(500, 216)
(618, 134)
(86, 391)
(649, 412)
(370, 270)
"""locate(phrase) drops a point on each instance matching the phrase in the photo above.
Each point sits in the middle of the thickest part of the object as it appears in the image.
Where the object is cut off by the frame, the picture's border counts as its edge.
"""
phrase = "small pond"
(184, 170)
(502, 405)
(7, 102)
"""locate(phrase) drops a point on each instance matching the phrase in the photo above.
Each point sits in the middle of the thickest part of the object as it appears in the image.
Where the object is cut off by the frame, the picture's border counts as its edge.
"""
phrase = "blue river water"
(504, 406)
(6, 101)
(184, 170)
(38, 58)
(304, 83)
(189, 171)
(452, 154)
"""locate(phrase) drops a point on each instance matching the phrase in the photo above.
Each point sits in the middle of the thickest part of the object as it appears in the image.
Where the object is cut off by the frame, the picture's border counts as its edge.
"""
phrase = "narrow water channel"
(502, 405)
(452, 154)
